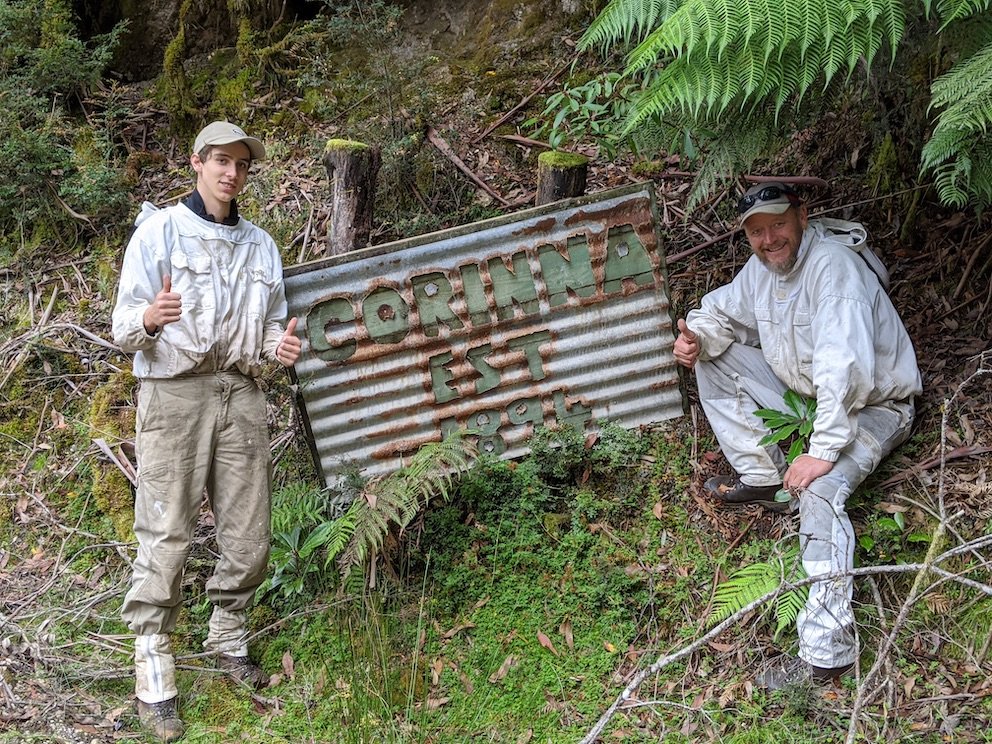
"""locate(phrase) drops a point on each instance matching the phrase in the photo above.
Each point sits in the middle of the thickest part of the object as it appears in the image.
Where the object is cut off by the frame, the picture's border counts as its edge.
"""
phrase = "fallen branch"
(955, 454)
(523, 102)
(785, 587)
(445, 149)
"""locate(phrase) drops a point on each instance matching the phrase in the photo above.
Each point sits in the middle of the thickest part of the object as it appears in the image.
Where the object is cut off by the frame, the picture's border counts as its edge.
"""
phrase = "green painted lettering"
(570, 272)
(516, 286)
(571, 411)
(530, 345)
(526, 411)
(386, 315)
(432, 295)
(626, 258)
(475, 295)
(441, 376)
(490, 375)
(331, 329)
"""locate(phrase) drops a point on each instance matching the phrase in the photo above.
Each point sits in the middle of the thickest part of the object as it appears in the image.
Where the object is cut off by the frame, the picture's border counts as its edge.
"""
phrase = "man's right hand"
(166, 308)
(686, 346)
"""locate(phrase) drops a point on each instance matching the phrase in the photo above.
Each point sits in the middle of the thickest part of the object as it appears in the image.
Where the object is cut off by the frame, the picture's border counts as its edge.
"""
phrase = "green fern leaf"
(953, 10)
(395, 499)
(626, 20)
(752, 582)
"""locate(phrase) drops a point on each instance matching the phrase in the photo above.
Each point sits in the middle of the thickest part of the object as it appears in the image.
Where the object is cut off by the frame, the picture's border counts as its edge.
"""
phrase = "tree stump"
(352, 168)
(560, 175)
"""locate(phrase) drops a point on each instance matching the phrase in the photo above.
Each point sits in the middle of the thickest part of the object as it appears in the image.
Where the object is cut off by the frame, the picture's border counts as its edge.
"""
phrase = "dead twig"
(445, 149)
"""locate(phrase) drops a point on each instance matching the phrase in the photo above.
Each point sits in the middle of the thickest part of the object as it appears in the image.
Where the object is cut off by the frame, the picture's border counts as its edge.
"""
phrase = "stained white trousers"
(731, 388)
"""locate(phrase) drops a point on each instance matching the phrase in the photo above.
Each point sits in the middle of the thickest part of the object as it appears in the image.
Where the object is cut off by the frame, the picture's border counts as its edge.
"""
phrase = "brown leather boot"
(161, 719)
(243, 669)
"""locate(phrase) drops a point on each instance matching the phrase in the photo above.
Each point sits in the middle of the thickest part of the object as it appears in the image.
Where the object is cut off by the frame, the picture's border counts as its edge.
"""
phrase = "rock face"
(152, 24)
(213, 24)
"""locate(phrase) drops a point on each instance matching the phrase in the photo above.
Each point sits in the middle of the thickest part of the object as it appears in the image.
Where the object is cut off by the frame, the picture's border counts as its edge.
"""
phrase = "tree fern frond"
(787, 608)
(677, 33)
(735, 145)
(952, 179)
(864, 41)
(626, 20)
(892, 22)
(941, 147)
(969, 78)
(953, 10)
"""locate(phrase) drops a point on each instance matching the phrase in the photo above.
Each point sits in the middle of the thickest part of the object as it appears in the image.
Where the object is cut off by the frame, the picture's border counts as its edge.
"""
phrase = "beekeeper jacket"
(826, 328)
(229, 278)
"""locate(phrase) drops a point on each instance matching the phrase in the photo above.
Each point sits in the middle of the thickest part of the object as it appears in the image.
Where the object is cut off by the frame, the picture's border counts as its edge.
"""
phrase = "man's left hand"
(288, 350)
(804, 470)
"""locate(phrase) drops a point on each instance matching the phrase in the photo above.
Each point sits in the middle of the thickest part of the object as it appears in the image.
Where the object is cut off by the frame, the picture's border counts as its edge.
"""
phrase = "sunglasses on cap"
(767, 194)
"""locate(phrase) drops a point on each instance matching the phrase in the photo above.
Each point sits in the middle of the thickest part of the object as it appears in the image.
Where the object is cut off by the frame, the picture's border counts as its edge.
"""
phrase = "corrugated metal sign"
(557, 314)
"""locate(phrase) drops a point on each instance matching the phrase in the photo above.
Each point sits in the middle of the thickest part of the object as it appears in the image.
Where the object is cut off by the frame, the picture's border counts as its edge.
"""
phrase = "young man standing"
(806, 313)
(201, 305)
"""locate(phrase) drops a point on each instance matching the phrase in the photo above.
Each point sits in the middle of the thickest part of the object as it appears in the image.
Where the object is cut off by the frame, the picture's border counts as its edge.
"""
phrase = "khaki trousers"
(195, 433)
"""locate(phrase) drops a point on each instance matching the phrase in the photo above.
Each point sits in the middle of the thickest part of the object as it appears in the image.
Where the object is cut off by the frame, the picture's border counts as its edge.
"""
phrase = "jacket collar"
(195, 202)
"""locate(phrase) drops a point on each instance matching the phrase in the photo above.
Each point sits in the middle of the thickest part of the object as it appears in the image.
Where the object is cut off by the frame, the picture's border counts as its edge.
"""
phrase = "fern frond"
(734, 146)
(626, 20)
(752, 582)
(953, 10)
(394, 500)
(967, 85)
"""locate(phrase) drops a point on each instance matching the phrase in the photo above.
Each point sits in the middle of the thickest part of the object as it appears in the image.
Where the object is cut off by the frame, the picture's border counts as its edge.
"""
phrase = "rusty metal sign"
(554, 315)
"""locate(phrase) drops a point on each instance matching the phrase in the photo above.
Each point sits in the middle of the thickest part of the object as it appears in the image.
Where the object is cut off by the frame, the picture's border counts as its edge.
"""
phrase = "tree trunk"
(352, 168)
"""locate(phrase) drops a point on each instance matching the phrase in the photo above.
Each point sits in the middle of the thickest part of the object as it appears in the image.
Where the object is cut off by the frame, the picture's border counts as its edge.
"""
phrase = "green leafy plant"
(53, 178)
(714, 64)
(751, 582)
(592, 110)
(887, 539)
(796, 421)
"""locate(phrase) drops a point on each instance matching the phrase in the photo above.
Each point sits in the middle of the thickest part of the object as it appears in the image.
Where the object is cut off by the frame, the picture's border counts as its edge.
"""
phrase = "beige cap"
(224, 133)
(767, 198)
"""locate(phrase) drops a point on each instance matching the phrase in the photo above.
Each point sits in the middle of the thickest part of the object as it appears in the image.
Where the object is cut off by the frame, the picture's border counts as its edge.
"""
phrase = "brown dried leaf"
(546, 642)
(288, 665)
(435, 703)
(938, 603)
(503, 670)
(526, 736)
(658, 510)
(566, 630)
(437, 666)
(456, 630)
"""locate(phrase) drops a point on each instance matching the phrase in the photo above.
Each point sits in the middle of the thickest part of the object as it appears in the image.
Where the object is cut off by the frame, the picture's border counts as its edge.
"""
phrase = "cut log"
(560, 175)
(352, 168)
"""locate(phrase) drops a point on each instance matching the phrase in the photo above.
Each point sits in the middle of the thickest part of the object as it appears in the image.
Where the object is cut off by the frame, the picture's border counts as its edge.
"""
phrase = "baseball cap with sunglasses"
(767, 198)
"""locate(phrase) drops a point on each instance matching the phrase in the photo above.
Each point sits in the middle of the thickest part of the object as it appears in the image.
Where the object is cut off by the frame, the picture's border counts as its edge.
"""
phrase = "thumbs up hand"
(288, 349)
(165, 308)
(686, 349)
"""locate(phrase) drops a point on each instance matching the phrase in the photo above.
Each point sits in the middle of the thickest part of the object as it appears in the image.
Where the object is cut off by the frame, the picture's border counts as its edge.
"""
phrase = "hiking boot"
(787, 671)
(734, 491)
(242, 669)
(161, 719)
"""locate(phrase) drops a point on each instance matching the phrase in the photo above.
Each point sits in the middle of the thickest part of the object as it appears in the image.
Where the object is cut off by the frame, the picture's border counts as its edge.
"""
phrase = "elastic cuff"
(823, 454)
